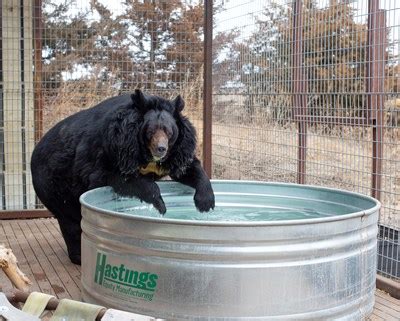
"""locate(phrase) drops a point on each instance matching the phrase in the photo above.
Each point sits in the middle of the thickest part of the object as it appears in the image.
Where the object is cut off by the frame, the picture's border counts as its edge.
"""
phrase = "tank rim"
(166, 220)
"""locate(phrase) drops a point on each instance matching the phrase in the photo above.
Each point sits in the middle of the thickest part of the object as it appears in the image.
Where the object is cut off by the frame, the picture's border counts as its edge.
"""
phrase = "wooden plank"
(10, 215)
(386, 307)
(383, 315)
(55, 230)
(387, 300)
(49, 272)
(390, 309)
(5, 284)
(18, 245)
(57, 257)
(38, 272)
(61, 269)
(3, 237)
(51, 264)
(60, 249)
(374, 317)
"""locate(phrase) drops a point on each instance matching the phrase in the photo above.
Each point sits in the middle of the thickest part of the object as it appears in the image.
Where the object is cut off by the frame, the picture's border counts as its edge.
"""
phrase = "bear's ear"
(178, 103)
(139, 100)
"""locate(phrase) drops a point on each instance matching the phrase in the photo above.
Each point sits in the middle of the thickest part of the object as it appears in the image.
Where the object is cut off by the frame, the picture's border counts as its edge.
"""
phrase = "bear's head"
(153, 130)
(159, 129)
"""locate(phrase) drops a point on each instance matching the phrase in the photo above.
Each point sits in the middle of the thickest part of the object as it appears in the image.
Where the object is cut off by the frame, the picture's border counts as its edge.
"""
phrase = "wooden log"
(8, 262)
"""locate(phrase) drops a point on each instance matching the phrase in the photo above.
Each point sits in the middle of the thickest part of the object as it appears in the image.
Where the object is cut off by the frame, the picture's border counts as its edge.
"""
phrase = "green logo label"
(123, 280)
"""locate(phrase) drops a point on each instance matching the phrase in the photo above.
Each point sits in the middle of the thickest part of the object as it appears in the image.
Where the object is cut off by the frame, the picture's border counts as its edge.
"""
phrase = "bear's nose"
(161, 149)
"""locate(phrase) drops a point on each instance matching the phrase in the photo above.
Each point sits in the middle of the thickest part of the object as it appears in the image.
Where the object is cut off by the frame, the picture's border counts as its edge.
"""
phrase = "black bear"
(127, 142)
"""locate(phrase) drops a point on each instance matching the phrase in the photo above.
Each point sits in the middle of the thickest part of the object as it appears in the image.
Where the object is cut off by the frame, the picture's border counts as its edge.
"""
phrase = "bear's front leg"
(196, 177)
(142, 187)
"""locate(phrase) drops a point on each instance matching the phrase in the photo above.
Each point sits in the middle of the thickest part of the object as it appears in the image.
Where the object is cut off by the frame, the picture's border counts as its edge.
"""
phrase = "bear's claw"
(204, 201)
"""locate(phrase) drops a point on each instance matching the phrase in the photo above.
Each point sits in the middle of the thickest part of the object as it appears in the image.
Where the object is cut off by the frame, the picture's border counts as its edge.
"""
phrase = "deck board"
(63, 282)
(42, 255)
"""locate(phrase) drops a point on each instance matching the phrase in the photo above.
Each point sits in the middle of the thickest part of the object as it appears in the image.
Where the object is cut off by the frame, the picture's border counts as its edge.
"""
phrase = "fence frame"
(300, 89)
(375, 74)
(207, 94)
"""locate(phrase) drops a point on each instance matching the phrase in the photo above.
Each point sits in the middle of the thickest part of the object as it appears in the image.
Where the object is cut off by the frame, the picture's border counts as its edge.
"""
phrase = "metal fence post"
(37, 56)
(375, 89)
(207, 94)
(299, 98)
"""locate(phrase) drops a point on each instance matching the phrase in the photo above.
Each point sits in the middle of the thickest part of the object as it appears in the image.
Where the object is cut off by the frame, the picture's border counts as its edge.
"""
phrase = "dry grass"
(192, 93)
(259, 148)
(341, 159)
(73, 96)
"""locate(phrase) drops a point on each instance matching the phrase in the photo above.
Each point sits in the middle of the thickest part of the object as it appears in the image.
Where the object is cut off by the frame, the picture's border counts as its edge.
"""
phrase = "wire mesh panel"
(253, 137)
(59, 57)
(308, 91)
(16, 106)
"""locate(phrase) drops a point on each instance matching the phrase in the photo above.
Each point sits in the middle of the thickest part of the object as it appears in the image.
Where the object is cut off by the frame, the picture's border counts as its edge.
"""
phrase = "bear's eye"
(168, 133)
(149, 133)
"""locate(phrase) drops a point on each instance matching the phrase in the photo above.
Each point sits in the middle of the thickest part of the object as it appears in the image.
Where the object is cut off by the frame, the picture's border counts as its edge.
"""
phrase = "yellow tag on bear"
(153, 167)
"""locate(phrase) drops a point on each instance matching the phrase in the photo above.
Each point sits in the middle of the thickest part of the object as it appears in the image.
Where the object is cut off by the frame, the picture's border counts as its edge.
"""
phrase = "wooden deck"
(42, 255)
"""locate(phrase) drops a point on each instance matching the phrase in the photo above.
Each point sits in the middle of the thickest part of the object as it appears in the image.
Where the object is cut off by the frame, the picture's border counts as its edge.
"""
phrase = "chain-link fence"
(308, 91)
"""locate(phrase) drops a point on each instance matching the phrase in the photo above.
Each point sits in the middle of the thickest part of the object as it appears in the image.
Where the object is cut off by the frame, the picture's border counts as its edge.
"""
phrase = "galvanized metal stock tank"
(319, 265)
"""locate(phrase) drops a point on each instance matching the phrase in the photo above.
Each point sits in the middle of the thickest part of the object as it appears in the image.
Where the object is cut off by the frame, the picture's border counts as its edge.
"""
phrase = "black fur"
(107, 145)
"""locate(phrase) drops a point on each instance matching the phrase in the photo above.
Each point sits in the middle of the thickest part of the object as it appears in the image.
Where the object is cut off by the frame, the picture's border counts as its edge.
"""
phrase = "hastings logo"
(125, 281)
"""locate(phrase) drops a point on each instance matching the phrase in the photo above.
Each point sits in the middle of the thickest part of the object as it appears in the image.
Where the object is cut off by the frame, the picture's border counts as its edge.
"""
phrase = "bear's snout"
(161, 149)
(159, 145)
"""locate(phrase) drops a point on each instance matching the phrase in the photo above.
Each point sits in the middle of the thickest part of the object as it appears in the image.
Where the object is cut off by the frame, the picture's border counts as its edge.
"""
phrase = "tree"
(62, 37)
(334, 56)
(150, 44)
(166, 37)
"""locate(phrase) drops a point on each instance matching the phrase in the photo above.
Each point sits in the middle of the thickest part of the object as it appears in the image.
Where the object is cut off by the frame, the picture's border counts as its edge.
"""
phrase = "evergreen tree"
(150, 44)
(334, 56)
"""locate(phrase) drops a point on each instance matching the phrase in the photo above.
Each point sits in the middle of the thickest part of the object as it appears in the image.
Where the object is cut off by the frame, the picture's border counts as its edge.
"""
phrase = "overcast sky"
(242, 14)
